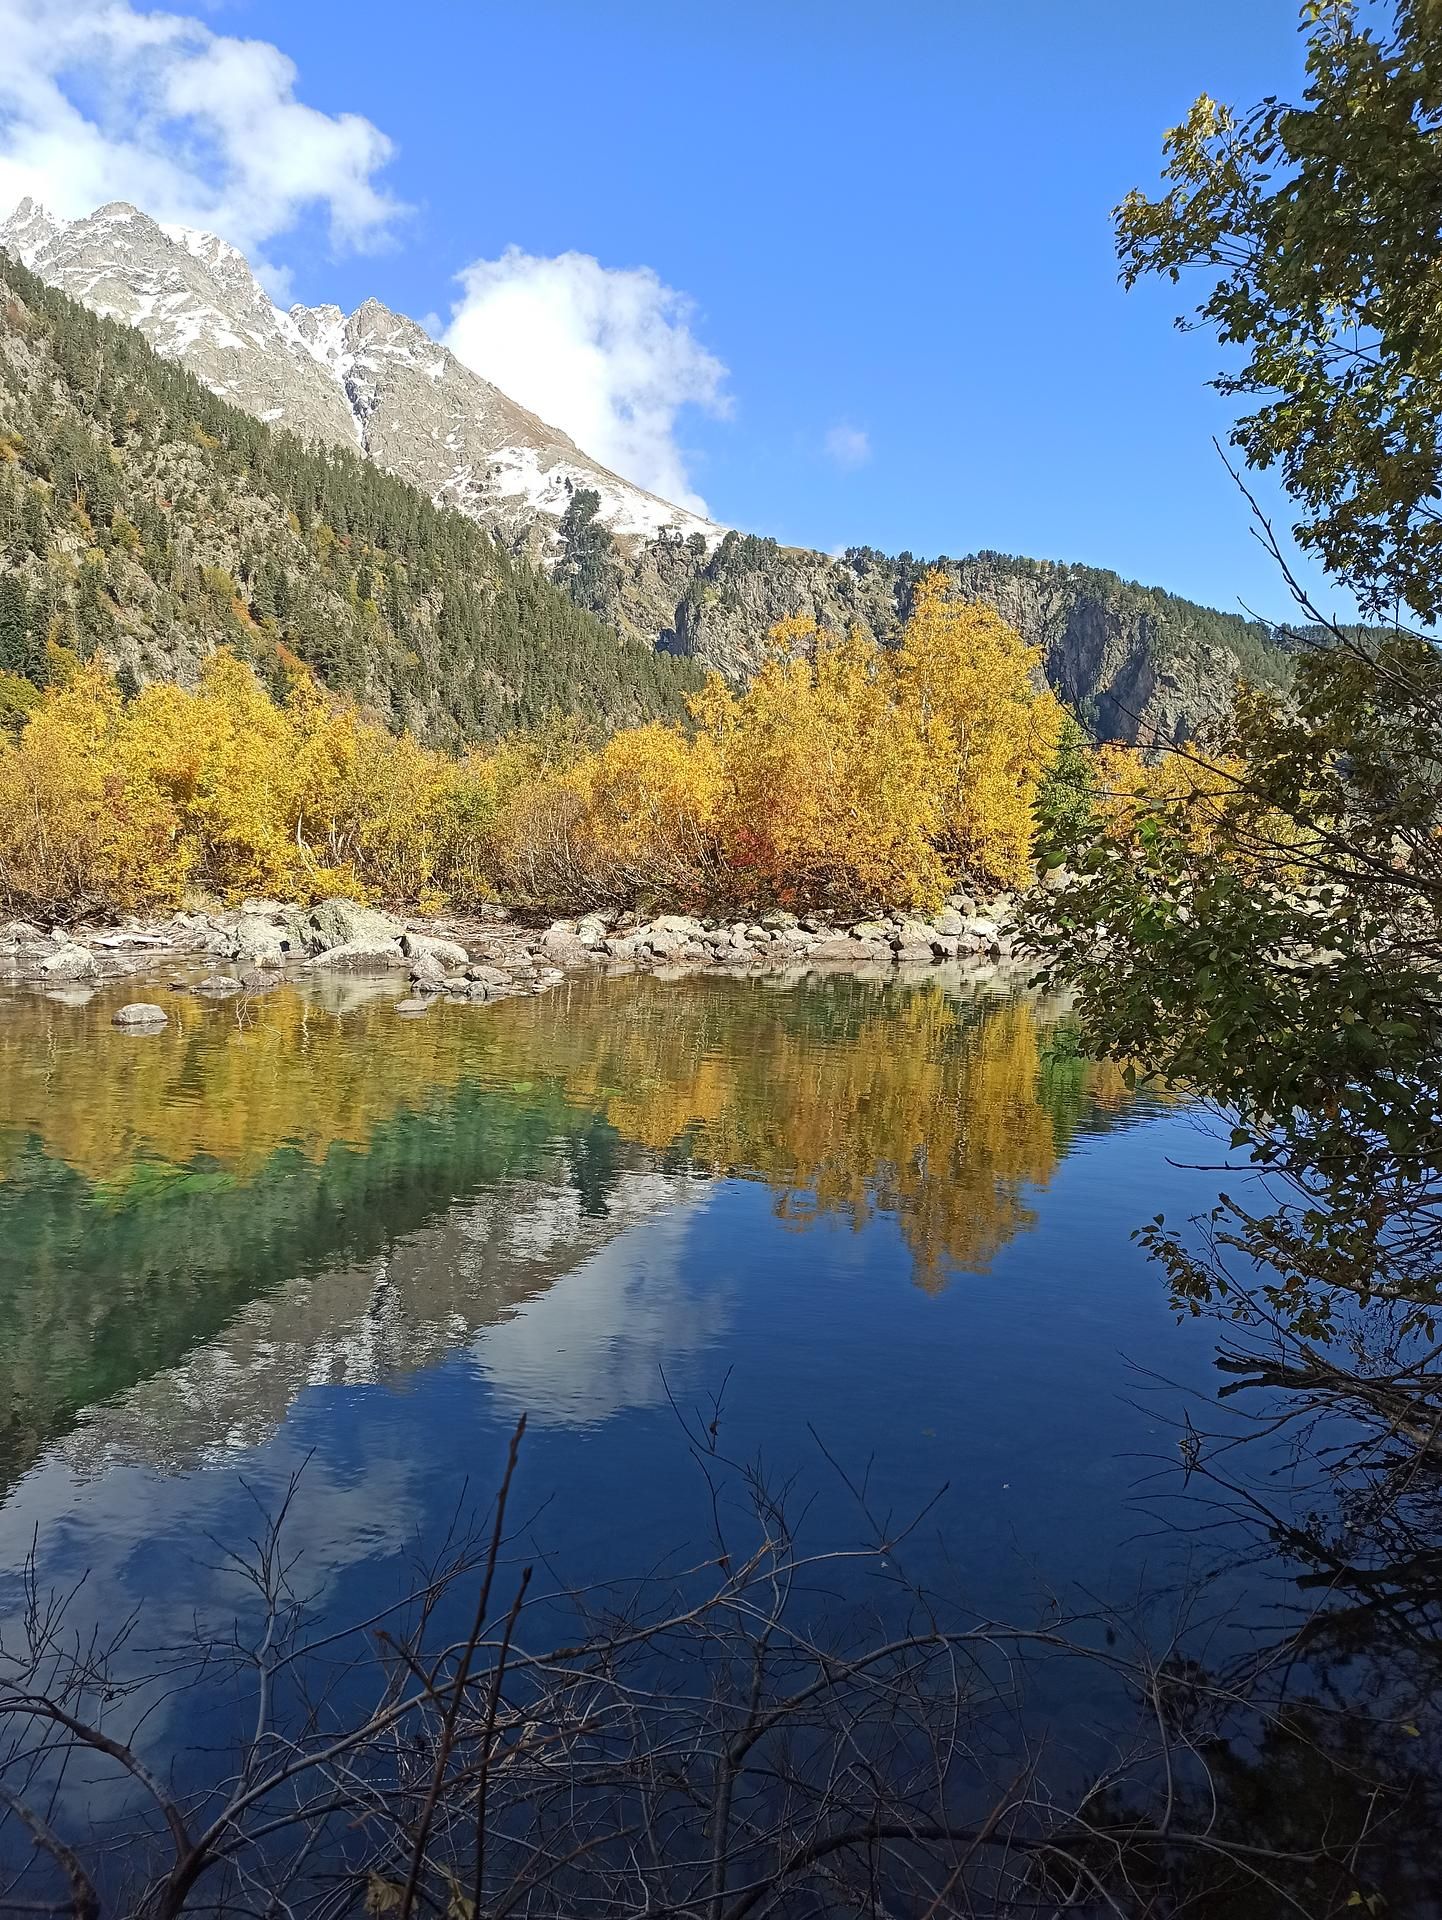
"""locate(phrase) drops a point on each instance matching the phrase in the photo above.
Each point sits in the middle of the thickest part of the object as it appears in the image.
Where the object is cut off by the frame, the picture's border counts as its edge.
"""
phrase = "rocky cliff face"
(1137, 664)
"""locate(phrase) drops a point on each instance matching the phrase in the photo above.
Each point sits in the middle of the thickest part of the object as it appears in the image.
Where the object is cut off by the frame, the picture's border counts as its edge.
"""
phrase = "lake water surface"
(885, 1224)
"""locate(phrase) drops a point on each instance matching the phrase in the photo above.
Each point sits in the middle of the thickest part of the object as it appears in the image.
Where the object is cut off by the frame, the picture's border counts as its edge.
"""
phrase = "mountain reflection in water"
(199, 1223)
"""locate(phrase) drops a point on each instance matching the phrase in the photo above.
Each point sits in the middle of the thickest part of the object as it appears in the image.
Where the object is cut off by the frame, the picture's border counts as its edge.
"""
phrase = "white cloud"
(607, 353)
(849, 447)
(101, 102)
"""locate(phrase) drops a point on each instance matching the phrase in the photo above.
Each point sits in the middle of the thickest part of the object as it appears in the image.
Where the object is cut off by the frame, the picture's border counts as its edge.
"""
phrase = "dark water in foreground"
(888, 1219)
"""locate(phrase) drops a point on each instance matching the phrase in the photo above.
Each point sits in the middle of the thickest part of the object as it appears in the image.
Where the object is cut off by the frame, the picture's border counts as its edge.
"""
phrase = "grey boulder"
(219, 986)
(68, 963)
(140, 1013)
(343, 923)
(361, 956)
(450, 953)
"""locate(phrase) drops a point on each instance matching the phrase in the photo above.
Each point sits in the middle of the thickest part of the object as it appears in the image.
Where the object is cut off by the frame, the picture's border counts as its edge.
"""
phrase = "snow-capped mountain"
(372, 379)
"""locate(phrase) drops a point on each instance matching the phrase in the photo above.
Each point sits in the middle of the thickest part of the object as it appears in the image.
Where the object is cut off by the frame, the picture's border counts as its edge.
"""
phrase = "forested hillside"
(142, 518)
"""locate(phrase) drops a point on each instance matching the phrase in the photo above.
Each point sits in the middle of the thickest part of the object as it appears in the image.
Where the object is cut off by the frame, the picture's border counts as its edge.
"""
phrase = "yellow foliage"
(827, 794)
(1191, 788)
(649, 821)
(81, 827)
(861, 775)
(105, 807)
(846, 775)
(990, 729)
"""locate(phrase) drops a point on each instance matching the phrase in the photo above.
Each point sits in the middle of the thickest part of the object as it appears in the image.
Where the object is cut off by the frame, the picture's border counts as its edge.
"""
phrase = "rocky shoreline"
(256, 946)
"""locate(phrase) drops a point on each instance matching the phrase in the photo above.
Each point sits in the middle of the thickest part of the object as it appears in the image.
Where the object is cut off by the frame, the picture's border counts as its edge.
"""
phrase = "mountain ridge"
(1136, 663)
(373, 378)
(144, 518)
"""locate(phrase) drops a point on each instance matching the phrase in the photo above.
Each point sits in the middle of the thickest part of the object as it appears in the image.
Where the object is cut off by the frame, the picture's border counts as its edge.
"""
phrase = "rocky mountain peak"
(322, 332)
(374, 379)
(195, 299)
(29, 230)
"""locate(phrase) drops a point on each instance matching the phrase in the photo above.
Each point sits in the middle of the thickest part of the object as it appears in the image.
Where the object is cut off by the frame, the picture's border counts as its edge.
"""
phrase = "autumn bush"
(846, 776)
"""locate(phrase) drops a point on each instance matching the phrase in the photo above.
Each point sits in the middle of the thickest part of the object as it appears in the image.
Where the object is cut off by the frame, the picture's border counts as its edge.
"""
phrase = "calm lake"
(885, 1224)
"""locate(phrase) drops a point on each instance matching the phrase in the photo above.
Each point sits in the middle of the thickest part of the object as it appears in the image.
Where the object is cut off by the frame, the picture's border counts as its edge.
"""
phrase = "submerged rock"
(219, 986)
(842, 947)
(485, 976)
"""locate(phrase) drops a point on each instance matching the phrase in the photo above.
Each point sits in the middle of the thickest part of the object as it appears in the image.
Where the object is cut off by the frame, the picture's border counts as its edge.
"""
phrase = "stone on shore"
(450, 953)
(21, 936)
(562, 944)
(914, 933)
(339, 924)
(68, 963)
(258, 938)
(361, 956)
(428, 970)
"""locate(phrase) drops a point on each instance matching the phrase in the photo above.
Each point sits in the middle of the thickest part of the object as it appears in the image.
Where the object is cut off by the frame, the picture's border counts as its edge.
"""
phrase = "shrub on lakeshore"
(846, 774)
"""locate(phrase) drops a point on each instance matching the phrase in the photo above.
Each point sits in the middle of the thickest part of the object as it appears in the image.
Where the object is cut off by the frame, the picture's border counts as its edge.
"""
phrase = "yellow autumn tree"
(224, 757)
(989, 724)
(1192, 787)
(824, 791)
(649, 825)
(82, 829)
(846, 776)
(855, 774)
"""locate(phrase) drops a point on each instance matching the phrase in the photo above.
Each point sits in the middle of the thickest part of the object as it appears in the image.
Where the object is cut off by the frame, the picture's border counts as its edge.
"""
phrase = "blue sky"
(889, 224)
